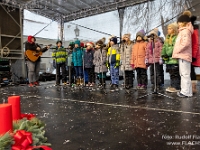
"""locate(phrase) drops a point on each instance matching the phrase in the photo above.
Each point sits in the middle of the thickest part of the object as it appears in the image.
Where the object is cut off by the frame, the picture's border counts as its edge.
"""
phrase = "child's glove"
(146, 62)
(107, 64)
(133, 66)
(54, 64)
(117, 64)
(160, 61)
(165, 58)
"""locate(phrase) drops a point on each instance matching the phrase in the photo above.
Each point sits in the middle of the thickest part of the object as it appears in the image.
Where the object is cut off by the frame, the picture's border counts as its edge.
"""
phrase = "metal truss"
(99, 9)
(13, 54)
(87, 10)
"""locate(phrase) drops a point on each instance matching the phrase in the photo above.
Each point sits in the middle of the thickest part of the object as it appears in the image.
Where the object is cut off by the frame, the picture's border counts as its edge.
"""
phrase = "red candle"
(16, 110)
(5, 118)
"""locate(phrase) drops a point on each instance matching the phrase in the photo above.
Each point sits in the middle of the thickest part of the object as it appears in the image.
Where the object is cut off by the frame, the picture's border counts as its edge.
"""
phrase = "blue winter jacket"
(77, 57)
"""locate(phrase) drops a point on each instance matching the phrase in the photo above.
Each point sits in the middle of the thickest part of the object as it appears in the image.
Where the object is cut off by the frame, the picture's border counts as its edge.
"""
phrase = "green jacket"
(59, 55)
(69, 59)
(167, 50)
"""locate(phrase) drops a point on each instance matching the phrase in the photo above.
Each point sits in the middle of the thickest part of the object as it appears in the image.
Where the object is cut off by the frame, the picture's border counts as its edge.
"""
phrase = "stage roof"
(70, 10)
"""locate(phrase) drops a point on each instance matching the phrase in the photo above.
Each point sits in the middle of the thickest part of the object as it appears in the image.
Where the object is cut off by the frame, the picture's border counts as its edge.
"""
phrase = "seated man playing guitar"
(33, 62)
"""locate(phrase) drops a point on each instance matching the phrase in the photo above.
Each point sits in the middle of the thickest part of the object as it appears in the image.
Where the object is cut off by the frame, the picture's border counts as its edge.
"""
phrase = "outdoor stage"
(83, 120)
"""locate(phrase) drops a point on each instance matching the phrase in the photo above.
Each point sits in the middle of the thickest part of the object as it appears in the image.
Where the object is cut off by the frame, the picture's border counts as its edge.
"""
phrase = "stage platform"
(92, 120)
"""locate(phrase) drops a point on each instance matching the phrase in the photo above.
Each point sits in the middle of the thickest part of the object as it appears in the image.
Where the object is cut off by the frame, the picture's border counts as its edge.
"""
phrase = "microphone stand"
(155, 72)
(124, 77)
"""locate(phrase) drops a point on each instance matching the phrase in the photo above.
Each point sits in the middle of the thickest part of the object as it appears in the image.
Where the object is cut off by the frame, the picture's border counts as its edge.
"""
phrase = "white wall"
(107, 22)
(33, 23)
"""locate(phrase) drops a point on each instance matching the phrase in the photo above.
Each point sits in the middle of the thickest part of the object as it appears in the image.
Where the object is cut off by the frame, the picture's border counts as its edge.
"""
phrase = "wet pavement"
(92, 120)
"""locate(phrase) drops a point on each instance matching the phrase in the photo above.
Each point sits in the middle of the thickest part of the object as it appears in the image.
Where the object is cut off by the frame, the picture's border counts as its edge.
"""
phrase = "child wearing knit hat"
(77, 59)
(153, 55)
(138, 60)
(113, 62)
(183, 52)
(171, 63)
(126, 55)
(70, 67)
(88, 64)
(59, 56)
(100, 57)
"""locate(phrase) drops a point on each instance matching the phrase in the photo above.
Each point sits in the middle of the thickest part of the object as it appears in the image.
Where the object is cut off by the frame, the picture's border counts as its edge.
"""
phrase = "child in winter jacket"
(99, 61)
(153, 55)
(138, 59)
(70, 67)
(126, 56)
(85, 74)
(77, 59)
(88, 64)
(161, 66)
(171, 63)
(113, 62)
(195, 54)
(59, 56)
(183, 52)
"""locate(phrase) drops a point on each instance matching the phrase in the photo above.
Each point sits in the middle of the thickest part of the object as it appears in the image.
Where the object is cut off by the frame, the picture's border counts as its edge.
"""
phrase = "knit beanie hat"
(114, 39)
(185, 17)
(174, 26)
(128, 35)
(29, 39)
(90, 44)
(140, 33)
(101, 42)
(71, 44)
(154, 32)
(77, 42)
(82, 45)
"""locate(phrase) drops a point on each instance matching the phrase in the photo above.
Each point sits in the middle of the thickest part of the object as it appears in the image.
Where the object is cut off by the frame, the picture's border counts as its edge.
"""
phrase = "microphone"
(150, 36)
(122, 41)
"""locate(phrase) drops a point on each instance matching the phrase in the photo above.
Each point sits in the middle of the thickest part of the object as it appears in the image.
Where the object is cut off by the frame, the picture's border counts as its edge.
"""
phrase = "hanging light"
(77, 31)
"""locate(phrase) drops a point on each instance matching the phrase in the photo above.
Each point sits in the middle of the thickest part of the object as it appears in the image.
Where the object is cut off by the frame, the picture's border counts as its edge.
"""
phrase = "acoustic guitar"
(33, 55)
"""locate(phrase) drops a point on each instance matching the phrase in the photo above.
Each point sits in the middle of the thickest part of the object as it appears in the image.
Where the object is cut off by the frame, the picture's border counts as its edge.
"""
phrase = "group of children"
(179, 51)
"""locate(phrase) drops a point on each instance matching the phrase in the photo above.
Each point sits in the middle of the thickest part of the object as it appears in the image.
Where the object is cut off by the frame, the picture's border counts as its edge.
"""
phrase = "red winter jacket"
(195, 48)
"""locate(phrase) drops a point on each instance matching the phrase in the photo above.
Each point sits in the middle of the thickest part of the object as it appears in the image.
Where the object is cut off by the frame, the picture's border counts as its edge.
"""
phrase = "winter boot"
(116, 87)
(194, 86)
(172, 90)
(31, 84)
(139, 86)
(104, 83)
(81, 81)
(127, 87)
(143, 87)
(112, 88)
(100, 84)
(67, 81)
(77, 81)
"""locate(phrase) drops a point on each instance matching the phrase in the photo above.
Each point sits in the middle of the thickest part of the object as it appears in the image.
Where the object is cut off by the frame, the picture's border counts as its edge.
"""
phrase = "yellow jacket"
(113, 55)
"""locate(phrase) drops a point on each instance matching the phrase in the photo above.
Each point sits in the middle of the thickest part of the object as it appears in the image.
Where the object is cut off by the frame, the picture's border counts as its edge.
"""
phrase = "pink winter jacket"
(157, 51)
(183, 45)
